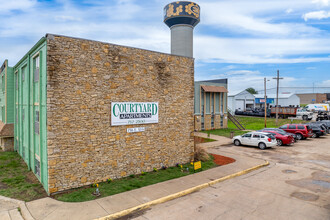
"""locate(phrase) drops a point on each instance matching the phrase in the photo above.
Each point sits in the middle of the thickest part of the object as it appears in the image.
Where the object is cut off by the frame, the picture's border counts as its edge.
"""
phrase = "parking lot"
(296, 185)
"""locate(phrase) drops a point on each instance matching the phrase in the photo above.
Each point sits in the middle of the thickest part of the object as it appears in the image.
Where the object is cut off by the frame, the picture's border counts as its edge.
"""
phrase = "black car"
(322, 116)
(317, 130)
(281, 132)
(326, 124)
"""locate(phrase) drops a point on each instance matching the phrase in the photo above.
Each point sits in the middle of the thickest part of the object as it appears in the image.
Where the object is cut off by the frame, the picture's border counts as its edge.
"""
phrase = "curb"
(21, 204)
(179, 194)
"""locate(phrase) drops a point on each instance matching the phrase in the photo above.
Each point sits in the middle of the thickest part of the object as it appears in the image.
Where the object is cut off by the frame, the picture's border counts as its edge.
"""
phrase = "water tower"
(181, 17)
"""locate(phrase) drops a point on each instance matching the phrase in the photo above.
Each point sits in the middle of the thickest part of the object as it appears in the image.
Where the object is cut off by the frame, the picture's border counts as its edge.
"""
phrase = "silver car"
(258, 139)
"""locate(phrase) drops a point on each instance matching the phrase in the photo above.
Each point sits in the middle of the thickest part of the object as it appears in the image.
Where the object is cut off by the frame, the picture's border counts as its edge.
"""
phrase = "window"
(262, 136)
(3, 83)
(271, 136)
(36, 69)
(221, 103)
(292, 127)
(301, 127)
(247, 135)
(256, 136)
(283, 126)
(16, 80)
(36, 123)
(37, 167)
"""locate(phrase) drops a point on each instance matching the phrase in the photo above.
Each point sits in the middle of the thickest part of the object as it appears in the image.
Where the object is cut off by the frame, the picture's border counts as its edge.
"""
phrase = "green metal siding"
(7, 94)
(3, 93)
(10, 96)
(30, 99)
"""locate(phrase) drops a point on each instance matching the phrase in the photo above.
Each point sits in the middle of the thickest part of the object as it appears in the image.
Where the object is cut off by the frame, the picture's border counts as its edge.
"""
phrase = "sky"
(242, 40)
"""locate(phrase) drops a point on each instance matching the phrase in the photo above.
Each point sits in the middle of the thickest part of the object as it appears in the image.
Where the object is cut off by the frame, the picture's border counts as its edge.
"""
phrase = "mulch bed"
(222, 160)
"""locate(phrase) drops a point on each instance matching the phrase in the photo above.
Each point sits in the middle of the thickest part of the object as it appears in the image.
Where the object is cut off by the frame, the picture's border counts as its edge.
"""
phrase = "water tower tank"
(181, 17)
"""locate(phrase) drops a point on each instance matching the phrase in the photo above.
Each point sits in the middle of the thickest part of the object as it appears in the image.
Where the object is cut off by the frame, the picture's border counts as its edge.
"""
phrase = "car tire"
(305, 117)
(314, 135)
(237, 142)
(299, 136)
(262, 146)
(279, 142)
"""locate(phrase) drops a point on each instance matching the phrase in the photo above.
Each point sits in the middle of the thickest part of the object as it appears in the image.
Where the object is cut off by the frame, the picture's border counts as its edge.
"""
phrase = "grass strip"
(16, 181)
(132, 182)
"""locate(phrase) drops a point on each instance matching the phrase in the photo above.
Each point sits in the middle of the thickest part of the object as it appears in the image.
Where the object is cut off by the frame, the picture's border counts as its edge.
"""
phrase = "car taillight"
(269, 139)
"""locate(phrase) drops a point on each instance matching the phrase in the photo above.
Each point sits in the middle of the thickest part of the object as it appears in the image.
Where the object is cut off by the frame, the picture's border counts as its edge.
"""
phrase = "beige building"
(310, 98)
(109, 111)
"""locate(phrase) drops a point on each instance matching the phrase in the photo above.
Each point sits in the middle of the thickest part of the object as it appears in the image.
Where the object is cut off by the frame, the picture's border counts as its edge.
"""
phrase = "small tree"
(252, 90)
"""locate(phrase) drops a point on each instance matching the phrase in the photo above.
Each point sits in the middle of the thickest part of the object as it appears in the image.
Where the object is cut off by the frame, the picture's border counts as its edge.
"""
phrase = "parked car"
(301, 130)
(322, 115)
(282, 131)
(258, 139)
(326, 123)
(317, 130)
(281, 137)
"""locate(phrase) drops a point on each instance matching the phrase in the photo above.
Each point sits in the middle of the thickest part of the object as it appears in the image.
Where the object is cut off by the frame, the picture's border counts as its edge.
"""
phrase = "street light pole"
(265, 103)
(278, 82)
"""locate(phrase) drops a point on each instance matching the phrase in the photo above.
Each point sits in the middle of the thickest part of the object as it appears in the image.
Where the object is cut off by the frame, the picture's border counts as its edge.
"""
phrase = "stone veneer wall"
(217, 119)
(207, 122)
(198, 123)
(7, 143)
(225, 121)
(83, 78)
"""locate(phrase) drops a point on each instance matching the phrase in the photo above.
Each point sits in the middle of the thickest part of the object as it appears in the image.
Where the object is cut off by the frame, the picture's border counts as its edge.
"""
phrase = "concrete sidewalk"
(48, 208)
(220, 140)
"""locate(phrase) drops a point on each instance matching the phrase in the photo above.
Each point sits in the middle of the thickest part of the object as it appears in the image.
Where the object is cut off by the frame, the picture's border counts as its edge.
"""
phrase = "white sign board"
(132, 130)
(130, 113)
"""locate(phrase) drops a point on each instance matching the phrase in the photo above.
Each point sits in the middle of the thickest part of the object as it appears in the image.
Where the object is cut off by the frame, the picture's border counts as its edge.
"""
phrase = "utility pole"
(265, 80)
(278, 82)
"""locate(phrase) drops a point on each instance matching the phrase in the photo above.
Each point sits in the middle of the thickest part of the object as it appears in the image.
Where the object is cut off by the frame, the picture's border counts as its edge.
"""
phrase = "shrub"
(201, 154)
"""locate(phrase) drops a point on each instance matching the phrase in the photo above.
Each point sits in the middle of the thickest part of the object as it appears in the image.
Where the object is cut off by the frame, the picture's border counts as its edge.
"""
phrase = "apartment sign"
(133, 113)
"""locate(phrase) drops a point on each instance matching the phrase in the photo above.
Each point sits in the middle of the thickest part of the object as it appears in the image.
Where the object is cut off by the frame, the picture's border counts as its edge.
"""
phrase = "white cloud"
(239, 83)
(325, 83)
(257, 17)
(7, 6)
(242, 50)
(321, 2)
(288, 11)
(64, 18)
(316, 15)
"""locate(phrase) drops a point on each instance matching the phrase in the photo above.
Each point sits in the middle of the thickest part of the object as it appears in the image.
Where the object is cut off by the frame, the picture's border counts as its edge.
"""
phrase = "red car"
(302, 131)
(281, 137)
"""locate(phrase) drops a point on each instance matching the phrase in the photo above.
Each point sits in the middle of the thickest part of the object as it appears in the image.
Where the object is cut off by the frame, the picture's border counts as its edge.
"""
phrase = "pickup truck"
(304, 114)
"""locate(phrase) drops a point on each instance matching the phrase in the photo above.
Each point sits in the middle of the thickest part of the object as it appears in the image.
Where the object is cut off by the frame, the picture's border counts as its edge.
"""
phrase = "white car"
(258, 139)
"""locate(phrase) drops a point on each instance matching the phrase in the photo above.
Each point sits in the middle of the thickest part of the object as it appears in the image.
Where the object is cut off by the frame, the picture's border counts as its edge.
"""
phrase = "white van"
(317, 107)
